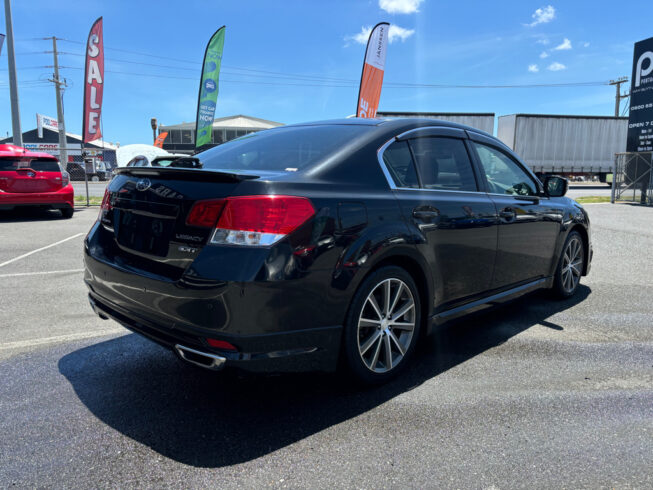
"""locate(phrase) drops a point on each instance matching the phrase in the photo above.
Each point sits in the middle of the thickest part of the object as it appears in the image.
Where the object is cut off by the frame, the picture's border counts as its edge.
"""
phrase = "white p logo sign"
(639, 71)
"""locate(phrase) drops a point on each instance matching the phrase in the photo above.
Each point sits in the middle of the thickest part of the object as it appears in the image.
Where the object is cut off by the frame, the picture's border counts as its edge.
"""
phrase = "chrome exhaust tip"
(201, 359)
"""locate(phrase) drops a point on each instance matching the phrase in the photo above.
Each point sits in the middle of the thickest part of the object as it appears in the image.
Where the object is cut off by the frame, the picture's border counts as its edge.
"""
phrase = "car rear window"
(38, 164)
(44, 165)
(282, 149)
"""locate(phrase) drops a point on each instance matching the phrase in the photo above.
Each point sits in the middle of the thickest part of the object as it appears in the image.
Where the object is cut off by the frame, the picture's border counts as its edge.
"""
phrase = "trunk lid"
(24, 175)
(145, 221)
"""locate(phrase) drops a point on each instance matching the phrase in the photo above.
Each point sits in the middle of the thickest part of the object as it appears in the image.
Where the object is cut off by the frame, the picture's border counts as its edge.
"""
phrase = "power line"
(352, 83)
(343, 80)
(328, 82)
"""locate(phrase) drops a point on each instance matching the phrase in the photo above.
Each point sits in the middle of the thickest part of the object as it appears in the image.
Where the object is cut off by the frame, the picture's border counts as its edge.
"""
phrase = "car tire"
(67, 213)
(95, 178)
(570, 266)
(382, 326)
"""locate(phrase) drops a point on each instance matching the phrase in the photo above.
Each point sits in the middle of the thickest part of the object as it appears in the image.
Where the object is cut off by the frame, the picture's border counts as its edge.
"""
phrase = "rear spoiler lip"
(189, 173)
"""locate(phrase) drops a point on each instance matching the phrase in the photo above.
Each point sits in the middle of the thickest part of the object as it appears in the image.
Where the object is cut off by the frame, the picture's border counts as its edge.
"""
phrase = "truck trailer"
(479, 120)
(569, 145)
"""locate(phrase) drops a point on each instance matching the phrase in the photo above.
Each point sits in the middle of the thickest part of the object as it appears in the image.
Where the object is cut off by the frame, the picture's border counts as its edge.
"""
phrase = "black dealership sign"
(640, 121)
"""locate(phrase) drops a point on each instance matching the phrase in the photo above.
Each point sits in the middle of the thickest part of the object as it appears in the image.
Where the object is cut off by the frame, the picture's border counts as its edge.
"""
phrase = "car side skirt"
(490, 301)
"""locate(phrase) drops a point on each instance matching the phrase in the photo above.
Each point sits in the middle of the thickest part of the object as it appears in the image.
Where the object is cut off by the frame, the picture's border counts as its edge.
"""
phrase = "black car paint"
(283, 306)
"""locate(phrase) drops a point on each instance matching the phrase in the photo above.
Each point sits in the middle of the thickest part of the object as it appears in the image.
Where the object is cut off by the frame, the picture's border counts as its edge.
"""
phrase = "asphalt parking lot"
(537, 394)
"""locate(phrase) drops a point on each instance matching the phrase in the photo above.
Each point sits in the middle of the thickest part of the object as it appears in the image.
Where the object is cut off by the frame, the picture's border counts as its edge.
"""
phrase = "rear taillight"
(205, 213)
(105, 207)
(251, 220)
(65, 179)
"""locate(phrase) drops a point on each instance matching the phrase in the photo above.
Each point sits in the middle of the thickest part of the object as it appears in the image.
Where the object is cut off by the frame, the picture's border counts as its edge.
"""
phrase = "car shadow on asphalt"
(210, 419)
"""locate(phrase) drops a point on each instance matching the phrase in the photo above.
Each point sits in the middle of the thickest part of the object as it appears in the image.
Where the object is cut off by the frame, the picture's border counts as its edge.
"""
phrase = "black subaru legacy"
(346, 241)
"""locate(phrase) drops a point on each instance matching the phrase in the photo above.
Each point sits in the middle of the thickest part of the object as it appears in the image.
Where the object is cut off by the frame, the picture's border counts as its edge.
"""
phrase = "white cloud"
(400, 6)
(543, 15)
(566, 44)
(544, 54)
(395, 33)
(586, 45)
(544, 41)
(533, 68)
(361, 37)
(555, 66)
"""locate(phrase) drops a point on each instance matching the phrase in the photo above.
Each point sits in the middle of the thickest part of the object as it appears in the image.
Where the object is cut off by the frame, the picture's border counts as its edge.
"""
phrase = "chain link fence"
(89, 174)
(632, 178)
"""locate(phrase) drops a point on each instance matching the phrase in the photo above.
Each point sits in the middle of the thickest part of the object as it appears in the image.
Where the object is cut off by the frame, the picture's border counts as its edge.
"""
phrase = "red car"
(34, 179)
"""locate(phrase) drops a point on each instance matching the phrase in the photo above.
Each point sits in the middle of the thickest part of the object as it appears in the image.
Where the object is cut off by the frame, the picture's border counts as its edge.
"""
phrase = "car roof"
(390, 123)
(17, 151)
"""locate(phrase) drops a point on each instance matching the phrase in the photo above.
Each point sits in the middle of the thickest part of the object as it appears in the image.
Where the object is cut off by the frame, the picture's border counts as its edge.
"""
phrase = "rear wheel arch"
(417, 272)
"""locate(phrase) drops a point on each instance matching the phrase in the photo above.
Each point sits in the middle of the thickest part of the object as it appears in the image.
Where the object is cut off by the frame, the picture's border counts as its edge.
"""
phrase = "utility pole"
(58, 88)
(618, 96)
(13, 83)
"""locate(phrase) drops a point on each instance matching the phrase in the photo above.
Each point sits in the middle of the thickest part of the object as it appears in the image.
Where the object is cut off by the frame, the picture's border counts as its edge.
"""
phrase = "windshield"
(284, 149)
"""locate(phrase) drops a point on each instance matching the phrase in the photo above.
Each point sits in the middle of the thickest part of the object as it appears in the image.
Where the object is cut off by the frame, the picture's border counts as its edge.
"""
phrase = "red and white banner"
(93, 83)
(45, 122)
(372, 77)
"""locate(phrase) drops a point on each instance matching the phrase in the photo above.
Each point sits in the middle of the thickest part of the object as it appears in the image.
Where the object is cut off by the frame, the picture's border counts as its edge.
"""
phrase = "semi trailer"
(479, 120)
(569, 145)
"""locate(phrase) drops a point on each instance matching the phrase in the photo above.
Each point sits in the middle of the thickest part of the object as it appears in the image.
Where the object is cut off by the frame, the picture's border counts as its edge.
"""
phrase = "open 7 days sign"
(640, 121)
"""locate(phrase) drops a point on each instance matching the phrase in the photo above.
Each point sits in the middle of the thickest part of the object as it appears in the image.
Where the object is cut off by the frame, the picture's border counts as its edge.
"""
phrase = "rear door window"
(399, 162)
(443, 164)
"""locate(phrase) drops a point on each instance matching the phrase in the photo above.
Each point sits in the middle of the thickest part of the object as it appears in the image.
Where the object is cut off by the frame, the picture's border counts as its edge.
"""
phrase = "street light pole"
(153, 122)
(13, 83)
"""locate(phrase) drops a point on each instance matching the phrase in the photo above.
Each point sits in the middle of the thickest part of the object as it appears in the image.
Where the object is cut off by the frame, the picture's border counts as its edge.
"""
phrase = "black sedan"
(338, 242)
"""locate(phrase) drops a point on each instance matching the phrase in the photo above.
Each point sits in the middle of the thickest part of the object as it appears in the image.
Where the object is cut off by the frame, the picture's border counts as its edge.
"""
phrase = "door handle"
(508, 214)
(425, 214)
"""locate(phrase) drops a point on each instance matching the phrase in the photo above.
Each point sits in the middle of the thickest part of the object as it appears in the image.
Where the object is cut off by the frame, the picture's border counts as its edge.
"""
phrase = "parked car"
(165, 161)
(33, 179)
(345, 240)
(97, 172)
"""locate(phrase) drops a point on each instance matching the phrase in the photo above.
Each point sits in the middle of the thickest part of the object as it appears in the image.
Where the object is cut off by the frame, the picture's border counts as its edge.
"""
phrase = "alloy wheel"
(572, 264)
(386, 325)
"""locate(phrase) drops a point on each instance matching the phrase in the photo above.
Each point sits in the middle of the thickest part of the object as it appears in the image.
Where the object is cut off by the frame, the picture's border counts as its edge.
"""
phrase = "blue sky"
(312, 47)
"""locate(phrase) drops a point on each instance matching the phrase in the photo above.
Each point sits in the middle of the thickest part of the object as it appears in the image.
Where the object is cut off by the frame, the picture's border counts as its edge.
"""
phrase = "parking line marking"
(61, 338)
(19, 274)
(39, 249)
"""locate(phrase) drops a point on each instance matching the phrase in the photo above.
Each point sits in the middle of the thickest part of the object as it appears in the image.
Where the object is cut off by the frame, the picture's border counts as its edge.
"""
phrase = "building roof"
(239, 121)
(52, 136)
(99, 143)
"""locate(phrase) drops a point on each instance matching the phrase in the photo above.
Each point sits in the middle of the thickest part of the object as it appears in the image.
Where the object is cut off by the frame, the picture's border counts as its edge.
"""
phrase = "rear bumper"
(298, 351)
(60, 199)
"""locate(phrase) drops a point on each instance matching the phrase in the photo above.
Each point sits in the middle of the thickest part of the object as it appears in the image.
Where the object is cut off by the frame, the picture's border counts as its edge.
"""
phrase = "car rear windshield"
(38, 164)
(282, 149)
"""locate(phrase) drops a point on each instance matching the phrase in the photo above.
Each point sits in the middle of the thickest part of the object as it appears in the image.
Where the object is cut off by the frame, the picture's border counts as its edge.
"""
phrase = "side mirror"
(555, 186)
